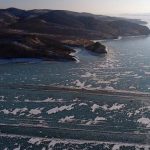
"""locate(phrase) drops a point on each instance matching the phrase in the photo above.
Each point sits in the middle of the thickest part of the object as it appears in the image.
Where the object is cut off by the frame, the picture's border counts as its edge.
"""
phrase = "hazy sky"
(93, 6)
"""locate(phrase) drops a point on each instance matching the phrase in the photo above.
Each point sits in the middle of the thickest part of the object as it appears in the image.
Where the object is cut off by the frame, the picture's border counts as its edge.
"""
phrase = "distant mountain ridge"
(70, 24)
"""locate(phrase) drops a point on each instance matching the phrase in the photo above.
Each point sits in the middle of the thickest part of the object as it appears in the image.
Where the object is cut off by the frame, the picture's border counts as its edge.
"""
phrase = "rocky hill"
(47, 34)
(60, 22)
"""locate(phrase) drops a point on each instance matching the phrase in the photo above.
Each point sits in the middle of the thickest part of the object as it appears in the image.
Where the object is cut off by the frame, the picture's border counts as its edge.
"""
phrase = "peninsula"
(51, 34)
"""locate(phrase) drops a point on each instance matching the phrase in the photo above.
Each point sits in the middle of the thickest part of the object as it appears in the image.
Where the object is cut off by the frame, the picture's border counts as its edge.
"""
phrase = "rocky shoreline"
(16, 45)
(27, 45)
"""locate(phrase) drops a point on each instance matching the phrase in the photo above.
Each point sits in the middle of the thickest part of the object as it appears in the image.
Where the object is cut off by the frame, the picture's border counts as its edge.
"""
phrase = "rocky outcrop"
(97, 48)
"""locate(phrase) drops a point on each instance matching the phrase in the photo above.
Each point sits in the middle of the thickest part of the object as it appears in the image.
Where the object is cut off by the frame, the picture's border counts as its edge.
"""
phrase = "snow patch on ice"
(130, 114)
(36, 141)
(109, 88)
(14, 112)
(81, 85)
(36, 111)
(132, 88)
(147, 73)
(49, 100)
(17, 110)
(115, 106)
(95, 107)
(88, 74)
(116, 147)
(59, 109)
(97, 120)
(82, 104)
(52, 144)
(67, 119)
(5, 111)
(144, 121)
